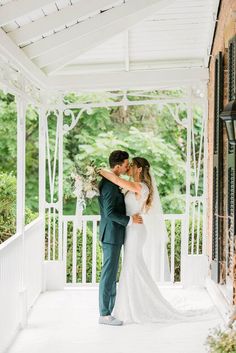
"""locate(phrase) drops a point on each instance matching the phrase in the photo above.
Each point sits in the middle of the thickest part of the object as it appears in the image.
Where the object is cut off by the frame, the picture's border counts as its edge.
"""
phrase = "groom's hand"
(137, 219)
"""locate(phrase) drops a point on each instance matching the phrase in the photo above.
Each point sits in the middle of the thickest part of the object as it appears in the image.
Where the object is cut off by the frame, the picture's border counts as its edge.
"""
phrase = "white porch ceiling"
(56, 42)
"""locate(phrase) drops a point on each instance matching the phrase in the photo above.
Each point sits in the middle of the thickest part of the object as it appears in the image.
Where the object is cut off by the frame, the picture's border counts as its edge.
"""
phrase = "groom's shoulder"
(107, 185)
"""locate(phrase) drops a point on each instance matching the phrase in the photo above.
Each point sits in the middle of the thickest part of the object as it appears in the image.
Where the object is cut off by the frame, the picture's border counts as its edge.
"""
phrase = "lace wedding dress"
(139, 299)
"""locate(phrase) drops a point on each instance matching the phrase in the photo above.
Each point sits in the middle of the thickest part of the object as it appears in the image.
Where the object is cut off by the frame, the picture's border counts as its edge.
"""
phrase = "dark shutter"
(217, 167)
(231, 160)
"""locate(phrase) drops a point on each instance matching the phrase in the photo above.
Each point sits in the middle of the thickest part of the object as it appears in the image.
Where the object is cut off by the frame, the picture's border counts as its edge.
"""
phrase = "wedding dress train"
(139, 299)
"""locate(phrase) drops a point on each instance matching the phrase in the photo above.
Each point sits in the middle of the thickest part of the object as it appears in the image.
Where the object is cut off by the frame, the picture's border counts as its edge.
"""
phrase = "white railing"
(34, 256)
(77, 234)
(51, 234)
(174, 247)
(21, 269)
(80, 235)
(196, 245)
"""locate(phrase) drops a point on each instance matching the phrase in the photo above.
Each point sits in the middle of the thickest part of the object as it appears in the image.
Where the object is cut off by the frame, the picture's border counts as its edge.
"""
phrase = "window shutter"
(217, 167)
(231, 162)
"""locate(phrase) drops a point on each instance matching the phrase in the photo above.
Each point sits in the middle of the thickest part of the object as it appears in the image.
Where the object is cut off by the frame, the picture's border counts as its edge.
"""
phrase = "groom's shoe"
(110, 320)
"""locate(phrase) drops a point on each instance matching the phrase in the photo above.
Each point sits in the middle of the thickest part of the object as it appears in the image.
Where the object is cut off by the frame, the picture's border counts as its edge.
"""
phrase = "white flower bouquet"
(222, 340)
(85, 183)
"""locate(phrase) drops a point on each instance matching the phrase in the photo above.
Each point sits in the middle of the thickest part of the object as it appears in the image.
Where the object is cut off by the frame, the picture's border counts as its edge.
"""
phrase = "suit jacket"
(113, 213)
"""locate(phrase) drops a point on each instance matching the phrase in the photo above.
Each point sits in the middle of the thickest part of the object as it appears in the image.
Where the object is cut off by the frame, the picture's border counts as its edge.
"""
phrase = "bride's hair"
(145, 177)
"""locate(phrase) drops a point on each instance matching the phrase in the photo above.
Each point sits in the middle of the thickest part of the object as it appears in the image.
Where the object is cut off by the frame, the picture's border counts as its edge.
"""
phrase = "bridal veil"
(155, 248)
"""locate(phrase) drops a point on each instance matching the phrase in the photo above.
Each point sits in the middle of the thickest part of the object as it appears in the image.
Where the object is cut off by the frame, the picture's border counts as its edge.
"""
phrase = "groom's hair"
(117, 158)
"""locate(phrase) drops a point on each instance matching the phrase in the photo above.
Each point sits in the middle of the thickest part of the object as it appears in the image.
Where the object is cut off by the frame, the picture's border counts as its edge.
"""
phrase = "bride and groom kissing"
(132, 218)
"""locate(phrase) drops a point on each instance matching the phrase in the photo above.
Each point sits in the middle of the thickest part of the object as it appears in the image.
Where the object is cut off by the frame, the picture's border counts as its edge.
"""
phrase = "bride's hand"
(137, 219)
(103, 171)
(98, 170)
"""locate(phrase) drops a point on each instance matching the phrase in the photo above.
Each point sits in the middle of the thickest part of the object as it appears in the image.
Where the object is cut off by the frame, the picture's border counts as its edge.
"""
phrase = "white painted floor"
(66, 322)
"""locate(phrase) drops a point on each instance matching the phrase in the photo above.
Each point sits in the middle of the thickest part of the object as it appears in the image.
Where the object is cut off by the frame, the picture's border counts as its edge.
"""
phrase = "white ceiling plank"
(18, 8)
(129, 79)
(94, 32)
(60, 63)
(57, 19)
(13, 53)
(117, 20)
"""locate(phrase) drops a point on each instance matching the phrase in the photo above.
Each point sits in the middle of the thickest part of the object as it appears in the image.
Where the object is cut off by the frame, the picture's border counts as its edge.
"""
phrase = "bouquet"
(85, 183)
(222, 340)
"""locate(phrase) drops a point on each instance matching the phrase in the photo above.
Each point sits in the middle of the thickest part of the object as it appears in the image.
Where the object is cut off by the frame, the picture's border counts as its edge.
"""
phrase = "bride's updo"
(145, 178)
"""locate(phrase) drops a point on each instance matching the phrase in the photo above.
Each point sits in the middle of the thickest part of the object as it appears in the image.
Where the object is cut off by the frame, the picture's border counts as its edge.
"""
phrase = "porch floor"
(66, 321)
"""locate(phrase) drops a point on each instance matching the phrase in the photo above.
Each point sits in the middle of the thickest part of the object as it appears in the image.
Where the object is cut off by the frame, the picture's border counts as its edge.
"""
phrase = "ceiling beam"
(129, 80)
(69, 44)
(211, 31)
(21, 61)
(86, 68)
(15, 9)
(68, 14)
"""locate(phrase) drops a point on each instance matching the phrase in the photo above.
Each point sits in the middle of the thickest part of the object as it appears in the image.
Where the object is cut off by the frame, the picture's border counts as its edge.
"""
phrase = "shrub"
(79, 254)
(8, 207)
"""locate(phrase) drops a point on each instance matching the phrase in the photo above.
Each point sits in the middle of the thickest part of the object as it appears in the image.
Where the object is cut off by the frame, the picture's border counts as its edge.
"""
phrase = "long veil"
(155, 247)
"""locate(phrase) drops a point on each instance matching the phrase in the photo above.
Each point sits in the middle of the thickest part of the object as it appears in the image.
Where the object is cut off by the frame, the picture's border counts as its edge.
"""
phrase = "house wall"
(226, 29)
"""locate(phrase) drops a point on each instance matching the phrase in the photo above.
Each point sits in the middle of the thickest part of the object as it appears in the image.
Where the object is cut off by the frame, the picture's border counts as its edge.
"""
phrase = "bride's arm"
(128, 185)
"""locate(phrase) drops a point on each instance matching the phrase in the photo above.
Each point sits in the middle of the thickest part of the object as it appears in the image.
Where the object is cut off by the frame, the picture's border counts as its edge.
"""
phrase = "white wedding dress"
(139, 299)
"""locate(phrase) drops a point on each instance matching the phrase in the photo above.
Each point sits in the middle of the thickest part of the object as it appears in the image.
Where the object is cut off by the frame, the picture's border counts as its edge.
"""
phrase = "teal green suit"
(112, 234)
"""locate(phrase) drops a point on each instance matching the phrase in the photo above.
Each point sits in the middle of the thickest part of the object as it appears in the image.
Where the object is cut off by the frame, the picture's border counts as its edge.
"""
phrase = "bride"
(139, 299)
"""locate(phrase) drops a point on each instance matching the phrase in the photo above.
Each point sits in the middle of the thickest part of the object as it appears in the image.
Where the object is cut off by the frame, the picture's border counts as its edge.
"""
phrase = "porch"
(47, 50)
(47, 308)
(66, 321)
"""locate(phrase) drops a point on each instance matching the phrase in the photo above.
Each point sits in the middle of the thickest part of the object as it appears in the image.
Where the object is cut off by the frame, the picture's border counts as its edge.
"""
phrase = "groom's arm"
(108, 192)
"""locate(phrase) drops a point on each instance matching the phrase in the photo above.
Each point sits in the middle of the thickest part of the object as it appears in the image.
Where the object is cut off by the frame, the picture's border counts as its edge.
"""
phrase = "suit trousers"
(107, 285)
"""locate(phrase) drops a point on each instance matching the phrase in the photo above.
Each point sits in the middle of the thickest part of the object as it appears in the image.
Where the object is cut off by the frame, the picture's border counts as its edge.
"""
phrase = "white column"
(205, 172)
(60, 181)
(20, 199)
(42, 180)
(184, 247)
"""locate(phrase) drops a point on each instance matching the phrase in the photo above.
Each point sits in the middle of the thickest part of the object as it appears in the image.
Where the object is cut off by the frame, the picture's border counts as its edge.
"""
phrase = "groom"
(112, 233)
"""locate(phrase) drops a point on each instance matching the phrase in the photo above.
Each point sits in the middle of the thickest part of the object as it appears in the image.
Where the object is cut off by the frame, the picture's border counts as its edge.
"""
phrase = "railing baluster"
(193, 226)
(60, 240)
(94, 253)
(198, 225)
(65, 248)
(54, 234)
(172, 250)
(74, 260)
(49, 233)
(184, 246)
(84, 270)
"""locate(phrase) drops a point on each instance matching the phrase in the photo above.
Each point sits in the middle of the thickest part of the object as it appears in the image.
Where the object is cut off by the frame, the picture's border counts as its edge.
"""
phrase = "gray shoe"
(110, 320)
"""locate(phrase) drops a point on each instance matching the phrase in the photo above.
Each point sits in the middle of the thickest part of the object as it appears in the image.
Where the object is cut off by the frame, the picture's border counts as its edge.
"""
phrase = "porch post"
(205, 174)
(42, 180)
(55, 267)
(60, 181)
(20, 200)
(185, 238)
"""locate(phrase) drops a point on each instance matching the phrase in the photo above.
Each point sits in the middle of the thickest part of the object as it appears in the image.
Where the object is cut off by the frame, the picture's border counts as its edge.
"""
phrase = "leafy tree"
(8, 207)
